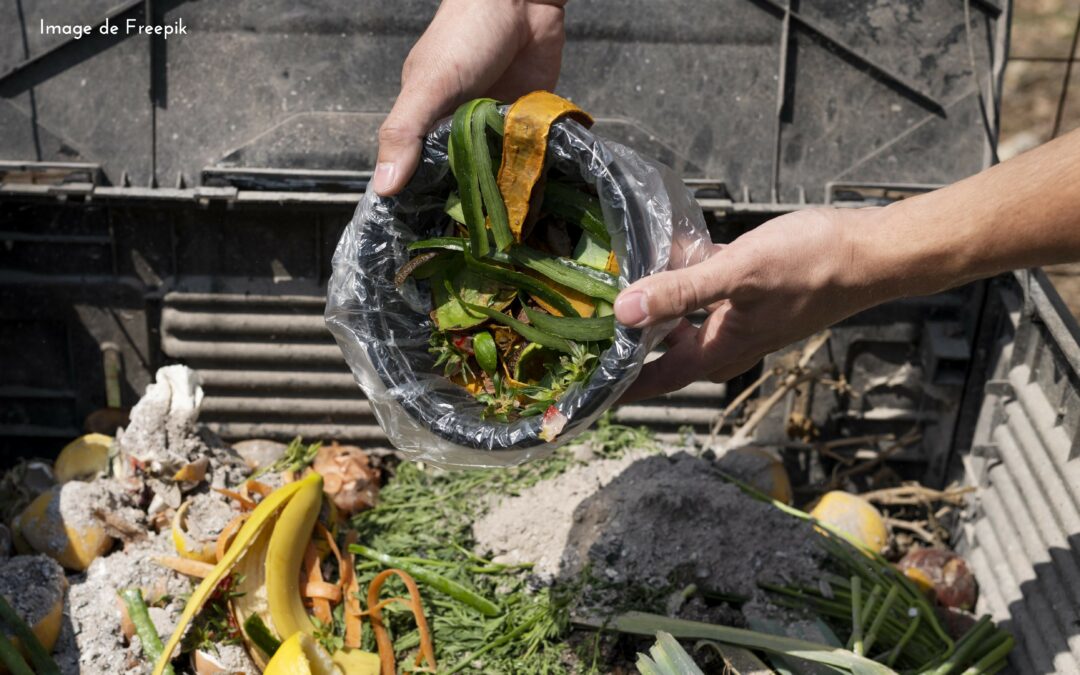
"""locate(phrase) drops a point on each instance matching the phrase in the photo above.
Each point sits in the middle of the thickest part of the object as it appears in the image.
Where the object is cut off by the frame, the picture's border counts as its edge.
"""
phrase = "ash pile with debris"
(650, 520)
(107, 512)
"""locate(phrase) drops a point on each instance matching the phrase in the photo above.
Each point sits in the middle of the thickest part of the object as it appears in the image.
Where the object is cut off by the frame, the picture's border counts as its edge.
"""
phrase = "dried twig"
(795, 377)
(915, 527)
(738, 401)
(840, 477)
(917, 495)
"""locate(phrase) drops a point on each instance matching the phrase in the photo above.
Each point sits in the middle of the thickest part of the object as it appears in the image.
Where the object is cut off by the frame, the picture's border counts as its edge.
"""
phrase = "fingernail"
(631, 308)
(384, 176)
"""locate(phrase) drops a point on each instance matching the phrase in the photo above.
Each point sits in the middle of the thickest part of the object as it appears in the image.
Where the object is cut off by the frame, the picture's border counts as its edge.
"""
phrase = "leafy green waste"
(490, 277)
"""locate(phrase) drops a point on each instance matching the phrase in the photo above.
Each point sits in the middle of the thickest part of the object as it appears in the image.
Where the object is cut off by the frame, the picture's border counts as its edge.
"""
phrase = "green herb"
(525, 330)
(425, 517)
(297, 457)
(453, 359)
(440, 583)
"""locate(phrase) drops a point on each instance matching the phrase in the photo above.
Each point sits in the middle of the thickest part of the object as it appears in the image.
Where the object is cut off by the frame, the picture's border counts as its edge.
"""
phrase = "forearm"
(1022, 213)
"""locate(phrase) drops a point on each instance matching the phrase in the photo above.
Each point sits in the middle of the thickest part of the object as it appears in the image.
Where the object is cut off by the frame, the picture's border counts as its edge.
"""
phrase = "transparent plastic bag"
(383, 330)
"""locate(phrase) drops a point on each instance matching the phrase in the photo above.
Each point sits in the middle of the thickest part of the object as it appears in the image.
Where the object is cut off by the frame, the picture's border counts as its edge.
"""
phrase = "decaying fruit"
(186, 545)
(265, 559)
(854, 516)
(759, 468)
(59, 524)
(947, 574)
(83, 458)
(349, 480)
(45, 615)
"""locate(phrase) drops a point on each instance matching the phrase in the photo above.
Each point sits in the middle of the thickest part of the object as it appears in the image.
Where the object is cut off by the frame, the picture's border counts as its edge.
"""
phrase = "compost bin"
(178, 202)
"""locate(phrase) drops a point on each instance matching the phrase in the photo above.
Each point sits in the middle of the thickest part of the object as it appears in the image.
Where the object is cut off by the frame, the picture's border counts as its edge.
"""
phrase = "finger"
(682, 332)
(710, 349)
(676, 293)
(401, 135)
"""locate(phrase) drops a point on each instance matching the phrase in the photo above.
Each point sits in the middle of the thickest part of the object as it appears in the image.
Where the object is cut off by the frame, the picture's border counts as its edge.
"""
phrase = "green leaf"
(591, 282)
(573, 328)
(642, 623)
(489, 189)
(523, 329)
(474, 288)
(463, 166)
(580, 208)
(521, 282)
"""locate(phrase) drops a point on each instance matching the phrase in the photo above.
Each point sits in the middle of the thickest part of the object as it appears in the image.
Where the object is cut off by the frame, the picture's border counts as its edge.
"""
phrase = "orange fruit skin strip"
(525, 135)
(382, 637)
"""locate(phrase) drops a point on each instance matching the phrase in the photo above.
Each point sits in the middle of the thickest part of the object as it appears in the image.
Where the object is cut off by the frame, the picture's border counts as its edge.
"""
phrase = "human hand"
(497, 48)
(774, 285)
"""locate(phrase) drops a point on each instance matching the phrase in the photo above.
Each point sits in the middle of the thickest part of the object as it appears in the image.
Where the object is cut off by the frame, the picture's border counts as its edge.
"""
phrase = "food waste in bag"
(522, 296)
(475, 308)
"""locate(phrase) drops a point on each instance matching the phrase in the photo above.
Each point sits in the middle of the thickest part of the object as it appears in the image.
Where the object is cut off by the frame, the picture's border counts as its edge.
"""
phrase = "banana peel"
(301, 654)
(265, 557)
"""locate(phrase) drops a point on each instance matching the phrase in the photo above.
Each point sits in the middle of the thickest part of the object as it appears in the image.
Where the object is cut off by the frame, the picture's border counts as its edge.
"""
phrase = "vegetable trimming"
(523, 277)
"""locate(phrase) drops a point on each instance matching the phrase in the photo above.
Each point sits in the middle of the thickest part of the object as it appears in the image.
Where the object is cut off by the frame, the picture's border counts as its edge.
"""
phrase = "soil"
(650, 520)
(32, 584)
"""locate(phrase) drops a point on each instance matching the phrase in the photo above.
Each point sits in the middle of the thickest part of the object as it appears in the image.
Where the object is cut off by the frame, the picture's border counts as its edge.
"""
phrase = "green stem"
(39, 656)
(890, 598)
(896, 651)
(993, 657)
(437, 581)
(144, 627)
(856, 612)
(11, 657)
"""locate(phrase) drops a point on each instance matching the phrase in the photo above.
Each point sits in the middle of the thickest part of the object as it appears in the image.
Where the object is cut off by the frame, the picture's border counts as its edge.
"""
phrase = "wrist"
(897, 255)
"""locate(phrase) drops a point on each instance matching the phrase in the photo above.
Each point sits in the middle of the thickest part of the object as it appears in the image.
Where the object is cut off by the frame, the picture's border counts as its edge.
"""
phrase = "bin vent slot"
(269, 368)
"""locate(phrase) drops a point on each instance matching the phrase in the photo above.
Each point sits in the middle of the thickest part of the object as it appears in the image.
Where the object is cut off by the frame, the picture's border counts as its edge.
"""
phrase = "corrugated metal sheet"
(1022, 536)
(270, 368)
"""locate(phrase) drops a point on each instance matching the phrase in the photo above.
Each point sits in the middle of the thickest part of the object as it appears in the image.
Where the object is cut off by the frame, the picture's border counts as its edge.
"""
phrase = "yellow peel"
(356, 662)
(855, 517)
(285, 556)
(83, 458)
(260, 517)
(185, 545)
(301, 655)
(42, 526)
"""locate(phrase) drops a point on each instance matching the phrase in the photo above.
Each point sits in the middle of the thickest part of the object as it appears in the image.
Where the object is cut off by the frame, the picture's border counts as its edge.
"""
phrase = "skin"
(786, 279)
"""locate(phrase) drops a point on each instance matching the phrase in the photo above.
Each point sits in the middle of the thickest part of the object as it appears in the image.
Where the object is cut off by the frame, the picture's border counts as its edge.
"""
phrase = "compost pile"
(261, 555)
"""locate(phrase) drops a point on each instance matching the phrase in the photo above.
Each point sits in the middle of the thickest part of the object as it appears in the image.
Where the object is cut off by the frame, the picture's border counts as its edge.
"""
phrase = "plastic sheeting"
(383, 330)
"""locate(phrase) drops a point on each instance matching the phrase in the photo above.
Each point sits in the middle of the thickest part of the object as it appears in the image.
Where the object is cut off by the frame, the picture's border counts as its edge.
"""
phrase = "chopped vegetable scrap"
(524, 281)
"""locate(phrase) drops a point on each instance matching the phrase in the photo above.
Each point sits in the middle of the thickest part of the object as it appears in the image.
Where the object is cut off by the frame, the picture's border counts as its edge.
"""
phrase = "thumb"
(674, 293)
(401, 137)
